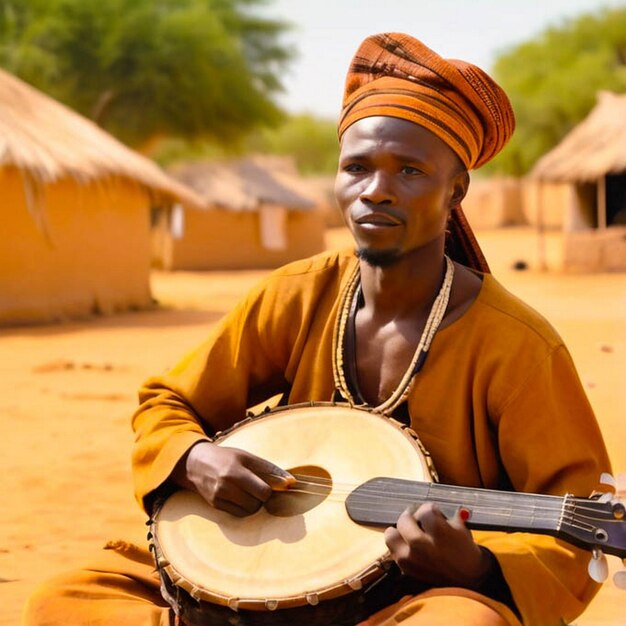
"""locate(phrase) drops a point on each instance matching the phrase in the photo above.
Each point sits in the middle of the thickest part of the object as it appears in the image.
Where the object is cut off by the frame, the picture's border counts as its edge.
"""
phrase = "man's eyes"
(354, 167)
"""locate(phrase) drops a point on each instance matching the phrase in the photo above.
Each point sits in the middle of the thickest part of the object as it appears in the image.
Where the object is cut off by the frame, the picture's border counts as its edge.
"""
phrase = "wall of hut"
(90, 255)
(572, 208)
(549, 205)
(595, 250)
(591, 243)
(494, 203)
(221, 239)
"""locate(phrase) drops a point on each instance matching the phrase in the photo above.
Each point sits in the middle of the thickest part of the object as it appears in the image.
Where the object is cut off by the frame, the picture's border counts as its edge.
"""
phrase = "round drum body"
(301, 549)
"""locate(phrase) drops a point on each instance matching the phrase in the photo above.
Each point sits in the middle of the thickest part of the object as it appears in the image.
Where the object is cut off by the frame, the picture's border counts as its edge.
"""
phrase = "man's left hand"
(437, 551)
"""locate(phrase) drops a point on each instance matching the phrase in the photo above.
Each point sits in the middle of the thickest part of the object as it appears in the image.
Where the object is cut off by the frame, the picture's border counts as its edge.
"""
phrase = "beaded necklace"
(400, 394)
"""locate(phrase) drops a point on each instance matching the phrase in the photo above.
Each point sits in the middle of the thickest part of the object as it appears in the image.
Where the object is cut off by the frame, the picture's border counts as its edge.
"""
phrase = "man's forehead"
(393, 136)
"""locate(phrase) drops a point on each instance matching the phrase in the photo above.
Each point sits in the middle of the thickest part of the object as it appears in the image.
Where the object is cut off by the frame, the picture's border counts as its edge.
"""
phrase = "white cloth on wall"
(273, 227)
(177, 222)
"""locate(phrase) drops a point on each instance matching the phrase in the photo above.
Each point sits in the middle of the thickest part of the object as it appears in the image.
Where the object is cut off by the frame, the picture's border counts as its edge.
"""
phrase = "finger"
(393, 539)
(237, 477)
(241, 491)
(397, 543)
(408, 527)
(430, 519)
(248, 487)
(232, 508)
(407, 556)
(247, 501)
(460, 518)
(278, 478)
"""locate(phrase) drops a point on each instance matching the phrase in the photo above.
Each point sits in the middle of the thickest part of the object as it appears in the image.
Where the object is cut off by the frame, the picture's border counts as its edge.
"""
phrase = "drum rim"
(372, 572)
(199, 593)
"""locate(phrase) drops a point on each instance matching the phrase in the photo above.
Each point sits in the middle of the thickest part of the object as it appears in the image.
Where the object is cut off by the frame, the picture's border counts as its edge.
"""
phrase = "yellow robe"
(498, 405)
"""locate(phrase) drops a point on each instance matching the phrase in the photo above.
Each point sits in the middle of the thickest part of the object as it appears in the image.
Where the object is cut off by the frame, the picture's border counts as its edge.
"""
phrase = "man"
(438, 343)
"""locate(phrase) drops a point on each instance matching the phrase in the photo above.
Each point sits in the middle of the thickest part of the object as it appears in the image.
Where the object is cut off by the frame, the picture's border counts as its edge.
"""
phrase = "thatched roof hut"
(261, 214)
(75, 207)
(46, 141)
(247, 183)
(593, 149)
(592, 160)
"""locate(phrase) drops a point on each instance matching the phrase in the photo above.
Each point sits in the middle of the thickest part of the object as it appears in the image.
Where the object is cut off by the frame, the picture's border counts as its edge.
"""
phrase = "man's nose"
(378, 189)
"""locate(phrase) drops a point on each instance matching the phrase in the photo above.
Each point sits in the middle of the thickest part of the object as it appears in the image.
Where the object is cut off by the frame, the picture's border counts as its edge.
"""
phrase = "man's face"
(395, 186)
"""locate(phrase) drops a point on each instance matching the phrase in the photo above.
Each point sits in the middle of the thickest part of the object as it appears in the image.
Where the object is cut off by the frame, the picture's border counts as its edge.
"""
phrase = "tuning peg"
(619, 578)
(607, 479)
(619, 510)
(598, 567)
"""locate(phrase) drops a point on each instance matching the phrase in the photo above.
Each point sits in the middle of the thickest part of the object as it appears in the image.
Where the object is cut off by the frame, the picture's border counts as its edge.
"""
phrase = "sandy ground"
(67, 391)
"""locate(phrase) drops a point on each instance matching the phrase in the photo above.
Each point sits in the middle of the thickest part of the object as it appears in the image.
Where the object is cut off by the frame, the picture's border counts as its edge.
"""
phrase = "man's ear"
(460, 186)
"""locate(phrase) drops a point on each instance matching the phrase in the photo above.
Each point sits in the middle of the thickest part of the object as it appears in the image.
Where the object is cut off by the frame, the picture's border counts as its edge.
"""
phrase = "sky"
(326, 33)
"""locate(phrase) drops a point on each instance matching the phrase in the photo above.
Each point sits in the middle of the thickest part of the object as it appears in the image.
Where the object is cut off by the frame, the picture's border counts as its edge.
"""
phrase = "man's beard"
(378, 258)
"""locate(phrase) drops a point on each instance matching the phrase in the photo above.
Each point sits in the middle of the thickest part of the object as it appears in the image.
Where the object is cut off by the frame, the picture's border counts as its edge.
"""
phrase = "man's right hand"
(230, 479)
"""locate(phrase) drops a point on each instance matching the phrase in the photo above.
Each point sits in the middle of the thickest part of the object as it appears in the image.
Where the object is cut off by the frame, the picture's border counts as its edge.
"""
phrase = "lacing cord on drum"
(172, 599)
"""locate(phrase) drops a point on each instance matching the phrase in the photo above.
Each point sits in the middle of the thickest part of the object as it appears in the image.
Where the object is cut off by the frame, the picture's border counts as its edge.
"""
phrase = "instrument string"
(494, 512)
(450, 497)
(557, 501)
(374, 503)
(375, 499)
(578, 504)
(573, 510)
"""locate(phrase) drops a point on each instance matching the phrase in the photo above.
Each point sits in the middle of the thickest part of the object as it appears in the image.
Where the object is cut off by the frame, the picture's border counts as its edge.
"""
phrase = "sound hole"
(313, 486)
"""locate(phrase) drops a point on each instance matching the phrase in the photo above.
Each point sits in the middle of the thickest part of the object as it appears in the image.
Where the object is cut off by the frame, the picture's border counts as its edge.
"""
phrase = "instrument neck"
(488, 509)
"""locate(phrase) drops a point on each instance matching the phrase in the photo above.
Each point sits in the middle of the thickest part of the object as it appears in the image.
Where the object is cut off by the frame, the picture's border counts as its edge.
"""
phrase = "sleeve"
(241, 363)
(549, 443)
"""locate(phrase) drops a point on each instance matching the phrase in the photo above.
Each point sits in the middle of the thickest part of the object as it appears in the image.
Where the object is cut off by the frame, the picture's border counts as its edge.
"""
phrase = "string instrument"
(315, 554)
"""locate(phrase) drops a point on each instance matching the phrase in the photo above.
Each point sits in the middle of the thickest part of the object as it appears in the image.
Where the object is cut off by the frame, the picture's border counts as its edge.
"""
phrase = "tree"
(312, 141)
(553, 79)
(146, 68)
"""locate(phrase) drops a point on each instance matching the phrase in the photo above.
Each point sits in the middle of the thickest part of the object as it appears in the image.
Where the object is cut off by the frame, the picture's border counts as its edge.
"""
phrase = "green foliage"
(553, 79)
(146, 68)
(170, 150)
(312, 141)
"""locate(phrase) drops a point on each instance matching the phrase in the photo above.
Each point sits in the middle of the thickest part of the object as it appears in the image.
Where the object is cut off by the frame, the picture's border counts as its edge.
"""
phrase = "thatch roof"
(594, 148)
(46, 141)
(246, 184)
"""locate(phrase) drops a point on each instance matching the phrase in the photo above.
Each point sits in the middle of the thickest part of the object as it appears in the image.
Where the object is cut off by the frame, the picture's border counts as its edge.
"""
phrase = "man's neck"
(408, 286)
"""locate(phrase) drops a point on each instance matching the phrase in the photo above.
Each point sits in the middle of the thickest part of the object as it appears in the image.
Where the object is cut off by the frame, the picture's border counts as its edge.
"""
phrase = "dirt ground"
(67, 391)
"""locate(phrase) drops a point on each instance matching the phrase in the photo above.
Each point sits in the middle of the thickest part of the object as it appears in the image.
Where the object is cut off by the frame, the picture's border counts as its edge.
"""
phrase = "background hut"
(591, 161)
(75, 209)
(494, 203)
(259, 214)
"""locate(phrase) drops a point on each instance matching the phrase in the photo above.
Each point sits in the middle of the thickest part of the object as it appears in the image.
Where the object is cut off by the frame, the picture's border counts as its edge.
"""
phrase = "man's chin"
(378, 258)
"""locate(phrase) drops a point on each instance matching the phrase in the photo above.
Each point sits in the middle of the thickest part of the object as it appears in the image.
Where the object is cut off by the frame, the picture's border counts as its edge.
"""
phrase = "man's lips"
(377, 218)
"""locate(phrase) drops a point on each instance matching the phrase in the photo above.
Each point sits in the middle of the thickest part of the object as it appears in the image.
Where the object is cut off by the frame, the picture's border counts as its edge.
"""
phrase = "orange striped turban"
(396, 75)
